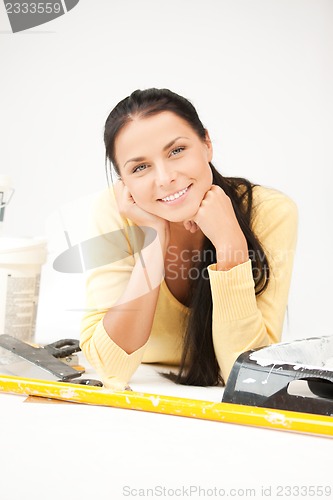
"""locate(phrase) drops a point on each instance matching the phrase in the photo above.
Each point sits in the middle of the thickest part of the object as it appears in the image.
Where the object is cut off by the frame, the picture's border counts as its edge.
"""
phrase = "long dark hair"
(198, 365)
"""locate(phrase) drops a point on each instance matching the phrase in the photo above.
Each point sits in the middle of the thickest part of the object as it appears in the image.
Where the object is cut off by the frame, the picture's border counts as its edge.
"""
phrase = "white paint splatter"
(249, 380)
(68, 393)
(314, 352)
(329, 363)
(155, 400)
(277, 419)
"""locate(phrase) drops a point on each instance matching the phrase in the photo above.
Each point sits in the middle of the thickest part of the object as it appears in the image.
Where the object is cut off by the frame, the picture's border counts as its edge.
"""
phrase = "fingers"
(121, 191)
(123, 197)
(191, 226)
(187, 224)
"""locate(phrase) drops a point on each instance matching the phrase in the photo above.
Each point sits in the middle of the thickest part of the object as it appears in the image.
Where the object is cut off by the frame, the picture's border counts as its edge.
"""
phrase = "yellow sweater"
(241, 320)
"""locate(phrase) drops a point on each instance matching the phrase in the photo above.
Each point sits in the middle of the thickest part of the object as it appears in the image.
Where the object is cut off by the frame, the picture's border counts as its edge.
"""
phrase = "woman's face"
(165, 165)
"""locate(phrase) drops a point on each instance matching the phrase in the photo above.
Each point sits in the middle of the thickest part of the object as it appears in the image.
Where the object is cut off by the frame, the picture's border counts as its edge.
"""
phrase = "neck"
(181, 236)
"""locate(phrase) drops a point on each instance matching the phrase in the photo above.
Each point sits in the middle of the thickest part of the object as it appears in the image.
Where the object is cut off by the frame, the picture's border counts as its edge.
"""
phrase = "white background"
(260, 75)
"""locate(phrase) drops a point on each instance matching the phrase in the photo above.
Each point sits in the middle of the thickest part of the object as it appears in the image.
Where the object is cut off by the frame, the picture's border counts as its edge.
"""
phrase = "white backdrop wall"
(260, 75)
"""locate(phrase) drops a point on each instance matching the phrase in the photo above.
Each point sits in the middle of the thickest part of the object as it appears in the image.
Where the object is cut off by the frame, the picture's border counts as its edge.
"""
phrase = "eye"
(176, 151)
(139, 168)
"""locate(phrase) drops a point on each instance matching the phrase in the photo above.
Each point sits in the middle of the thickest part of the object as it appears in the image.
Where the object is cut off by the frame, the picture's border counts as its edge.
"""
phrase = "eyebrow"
(167, 146)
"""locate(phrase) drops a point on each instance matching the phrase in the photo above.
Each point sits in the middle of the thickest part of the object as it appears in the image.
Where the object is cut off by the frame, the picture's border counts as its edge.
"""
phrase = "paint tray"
(296, 376)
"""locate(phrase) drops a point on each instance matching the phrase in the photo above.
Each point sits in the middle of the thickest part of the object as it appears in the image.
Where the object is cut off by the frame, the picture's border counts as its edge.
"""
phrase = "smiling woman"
(207, 275)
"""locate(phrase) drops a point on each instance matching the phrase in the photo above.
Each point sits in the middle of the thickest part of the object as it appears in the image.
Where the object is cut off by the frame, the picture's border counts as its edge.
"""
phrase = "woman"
(205, 261)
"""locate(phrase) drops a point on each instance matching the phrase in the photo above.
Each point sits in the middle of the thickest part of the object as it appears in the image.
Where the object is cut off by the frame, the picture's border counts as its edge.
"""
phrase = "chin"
(181, 216)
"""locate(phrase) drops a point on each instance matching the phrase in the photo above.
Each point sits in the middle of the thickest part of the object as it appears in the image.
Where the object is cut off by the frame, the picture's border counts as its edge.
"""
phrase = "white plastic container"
(6, 193)
(21, 260)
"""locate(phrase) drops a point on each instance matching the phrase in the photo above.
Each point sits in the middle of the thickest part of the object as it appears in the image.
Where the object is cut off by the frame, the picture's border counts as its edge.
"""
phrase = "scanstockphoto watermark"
(23, 14)
(264, 491)
(160, 491)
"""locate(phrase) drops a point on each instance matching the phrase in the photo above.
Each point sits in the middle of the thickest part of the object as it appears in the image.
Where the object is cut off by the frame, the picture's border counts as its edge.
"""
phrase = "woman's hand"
(217, 220)
(129, 209)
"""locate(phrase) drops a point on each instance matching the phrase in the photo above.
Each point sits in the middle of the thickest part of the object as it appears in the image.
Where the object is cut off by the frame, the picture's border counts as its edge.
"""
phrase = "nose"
(165, 174)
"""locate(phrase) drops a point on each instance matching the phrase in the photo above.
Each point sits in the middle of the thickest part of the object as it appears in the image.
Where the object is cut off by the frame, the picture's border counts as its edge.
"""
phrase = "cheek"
(207, 177)
(210, 176)
(138, 192)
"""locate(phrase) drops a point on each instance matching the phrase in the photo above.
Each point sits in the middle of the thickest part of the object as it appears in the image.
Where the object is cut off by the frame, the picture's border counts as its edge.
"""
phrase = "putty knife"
(24, 360)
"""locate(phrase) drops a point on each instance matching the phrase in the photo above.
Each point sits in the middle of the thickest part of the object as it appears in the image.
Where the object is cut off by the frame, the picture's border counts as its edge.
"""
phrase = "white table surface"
(51, 451)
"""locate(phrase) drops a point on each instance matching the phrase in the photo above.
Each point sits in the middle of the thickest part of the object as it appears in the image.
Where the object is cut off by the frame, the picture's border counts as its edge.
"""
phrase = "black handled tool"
(296, 376)
(44, 362)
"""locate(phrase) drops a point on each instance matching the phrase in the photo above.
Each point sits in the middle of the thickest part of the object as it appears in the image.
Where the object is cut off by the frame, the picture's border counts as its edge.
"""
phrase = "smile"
(175, 196)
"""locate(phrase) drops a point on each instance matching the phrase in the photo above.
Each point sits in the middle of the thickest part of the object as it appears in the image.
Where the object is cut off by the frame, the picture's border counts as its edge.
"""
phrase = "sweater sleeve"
(113, 257)
(242, 320)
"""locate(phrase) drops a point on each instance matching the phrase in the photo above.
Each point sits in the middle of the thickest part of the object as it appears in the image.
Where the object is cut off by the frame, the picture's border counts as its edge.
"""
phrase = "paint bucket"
(21, 260)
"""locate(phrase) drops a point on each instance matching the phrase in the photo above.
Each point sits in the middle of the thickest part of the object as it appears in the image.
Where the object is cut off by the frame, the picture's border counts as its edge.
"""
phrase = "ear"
(209, 145)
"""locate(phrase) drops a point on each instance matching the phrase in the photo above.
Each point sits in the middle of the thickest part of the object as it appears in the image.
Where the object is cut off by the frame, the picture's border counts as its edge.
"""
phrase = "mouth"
(172, 198)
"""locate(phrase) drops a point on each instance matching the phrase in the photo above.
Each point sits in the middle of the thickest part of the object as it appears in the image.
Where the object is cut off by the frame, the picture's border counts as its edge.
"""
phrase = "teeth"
(175, 196)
